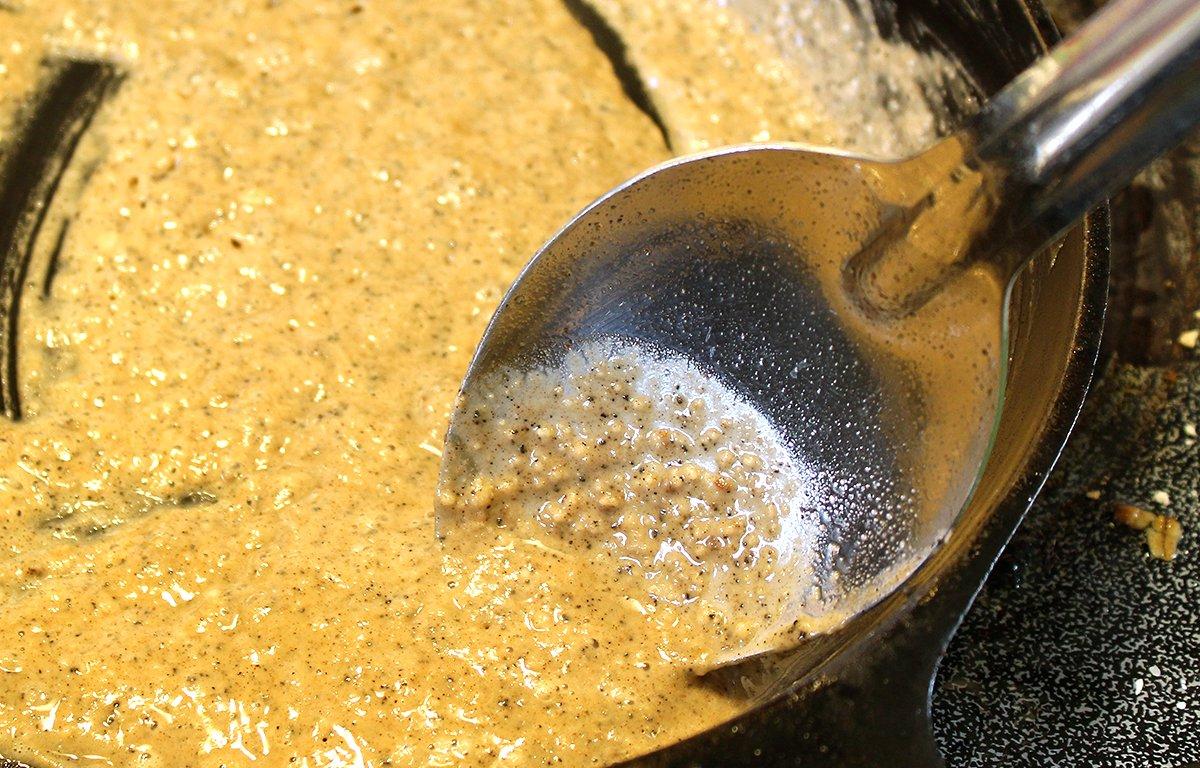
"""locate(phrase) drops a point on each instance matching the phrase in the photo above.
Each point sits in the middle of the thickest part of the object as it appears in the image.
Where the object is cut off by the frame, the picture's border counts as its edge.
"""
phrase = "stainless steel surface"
(1064, 134)
(733, 260)
(1082, 121)
(757, 263)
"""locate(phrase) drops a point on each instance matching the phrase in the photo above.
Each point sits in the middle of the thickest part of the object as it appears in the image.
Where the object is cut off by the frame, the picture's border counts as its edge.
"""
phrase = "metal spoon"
(860, 304)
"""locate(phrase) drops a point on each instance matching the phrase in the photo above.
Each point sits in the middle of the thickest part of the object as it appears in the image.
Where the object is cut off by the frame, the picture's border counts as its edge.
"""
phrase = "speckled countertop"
(1082, 650)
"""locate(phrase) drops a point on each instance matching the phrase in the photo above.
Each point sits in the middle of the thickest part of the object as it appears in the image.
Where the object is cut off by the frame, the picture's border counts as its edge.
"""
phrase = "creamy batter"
(217, 512)
(663, 474)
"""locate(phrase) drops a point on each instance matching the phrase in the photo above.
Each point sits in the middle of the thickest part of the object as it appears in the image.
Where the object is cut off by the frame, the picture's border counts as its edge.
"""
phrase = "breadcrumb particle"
(1163, 532)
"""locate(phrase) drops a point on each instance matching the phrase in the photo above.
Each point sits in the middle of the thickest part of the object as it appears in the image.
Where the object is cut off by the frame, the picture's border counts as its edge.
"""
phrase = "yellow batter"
(216, 514)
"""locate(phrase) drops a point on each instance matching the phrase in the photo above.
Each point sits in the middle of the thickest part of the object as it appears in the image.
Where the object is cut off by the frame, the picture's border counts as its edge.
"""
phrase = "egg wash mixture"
(217, 509)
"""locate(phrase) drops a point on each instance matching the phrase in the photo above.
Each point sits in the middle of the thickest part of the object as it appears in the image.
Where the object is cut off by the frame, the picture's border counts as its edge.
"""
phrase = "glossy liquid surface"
(217, 512)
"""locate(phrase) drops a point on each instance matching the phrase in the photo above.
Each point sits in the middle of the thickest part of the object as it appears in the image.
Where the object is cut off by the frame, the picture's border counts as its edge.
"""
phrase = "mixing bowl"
(858, 696)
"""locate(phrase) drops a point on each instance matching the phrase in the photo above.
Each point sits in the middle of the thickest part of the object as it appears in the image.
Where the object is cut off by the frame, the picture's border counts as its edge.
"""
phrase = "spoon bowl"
(859, 305)
(735, 261)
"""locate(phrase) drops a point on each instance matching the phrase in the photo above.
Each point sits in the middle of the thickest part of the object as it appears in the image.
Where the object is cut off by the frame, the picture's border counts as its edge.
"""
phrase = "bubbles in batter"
(657, 467)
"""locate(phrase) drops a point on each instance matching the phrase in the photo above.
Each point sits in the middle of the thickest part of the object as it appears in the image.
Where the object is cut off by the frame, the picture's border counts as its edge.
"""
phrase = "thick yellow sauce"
(217, 512)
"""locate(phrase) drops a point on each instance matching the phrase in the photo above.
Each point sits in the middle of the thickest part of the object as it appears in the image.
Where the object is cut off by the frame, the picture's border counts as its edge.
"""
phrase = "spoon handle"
(1082, 121)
